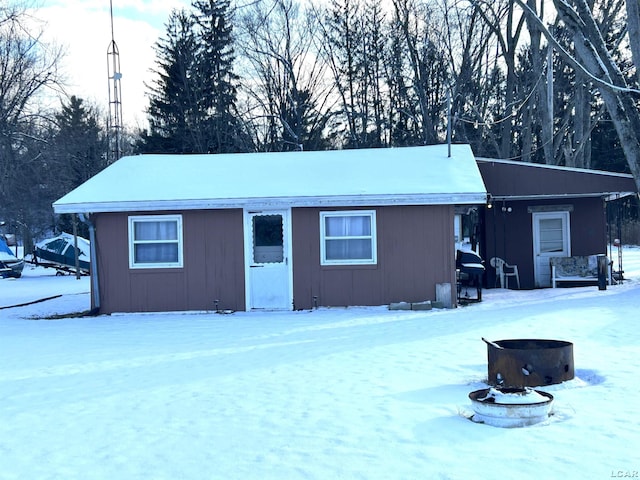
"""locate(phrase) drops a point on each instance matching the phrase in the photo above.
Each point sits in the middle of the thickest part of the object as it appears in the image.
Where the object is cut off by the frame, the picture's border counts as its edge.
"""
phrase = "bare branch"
(568, 57)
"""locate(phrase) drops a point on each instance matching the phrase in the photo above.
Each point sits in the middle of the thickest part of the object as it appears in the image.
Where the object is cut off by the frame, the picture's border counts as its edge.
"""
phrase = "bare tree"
(540, 55)
(341, 36)
(27, 70)
(469, 42)
(595, 61)
(507, 25)
(633, 29)
(285, 81)
(419, 25)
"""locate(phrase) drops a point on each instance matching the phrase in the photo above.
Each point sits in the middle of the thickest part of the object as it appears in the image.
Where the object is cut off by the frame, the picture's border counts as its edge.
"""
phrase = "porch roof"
(513, 180)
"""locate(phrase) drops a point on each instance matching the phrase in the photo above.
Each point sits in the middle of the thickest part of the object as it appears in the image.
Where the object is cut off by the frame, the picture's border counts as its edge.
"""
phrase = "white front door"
(550, 239)
(267, 260)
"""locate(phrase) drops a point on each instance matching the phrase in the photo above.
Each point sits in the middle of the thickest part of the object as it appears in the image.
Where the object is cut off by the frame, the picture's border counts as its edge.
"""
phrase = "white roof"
(365, 177)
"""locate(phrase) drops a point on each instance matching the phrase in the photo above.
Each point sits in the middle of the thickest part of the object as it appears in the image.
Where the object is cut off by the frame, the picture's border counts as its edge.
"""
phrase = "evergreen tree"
(217, 80)
(78, 151)
(177, 124)
(79, 142)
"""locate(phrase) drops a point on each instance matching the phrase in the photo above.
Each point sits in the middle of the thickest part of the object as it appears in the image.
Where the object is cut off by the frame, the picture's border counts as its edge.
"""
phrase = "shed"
(275, 230)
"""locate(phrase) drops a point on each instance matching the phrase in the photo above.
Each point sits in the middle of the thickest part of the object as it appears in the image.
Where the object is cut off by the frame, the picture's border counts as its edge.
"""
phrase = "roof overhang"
(477, 198)
(607, 196)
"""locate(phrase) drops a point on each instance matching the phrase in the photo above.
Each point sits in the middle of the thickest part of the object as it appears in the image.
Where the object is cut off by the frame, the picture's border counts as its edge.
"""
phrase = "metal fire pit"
(529, 362)
(510, 407)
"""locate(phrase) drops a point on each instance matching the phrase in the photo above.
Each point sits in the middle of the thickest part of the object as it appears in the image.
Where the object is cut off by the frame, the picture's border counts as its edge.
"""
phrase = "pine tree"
(217, 80)
(78, 151)
(177, 124)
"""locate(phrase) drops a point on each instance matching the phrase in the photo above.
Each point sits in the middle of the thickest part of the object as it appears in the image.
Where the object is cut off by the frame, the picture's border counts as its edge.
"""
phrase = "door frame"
(248, 214)
(565, 216)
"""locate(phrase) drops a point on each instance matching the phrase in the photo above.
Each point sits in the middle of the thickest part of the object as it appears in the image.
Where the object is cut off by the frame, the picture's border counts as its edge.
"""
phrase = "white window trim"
(155, 218)
(373, 237)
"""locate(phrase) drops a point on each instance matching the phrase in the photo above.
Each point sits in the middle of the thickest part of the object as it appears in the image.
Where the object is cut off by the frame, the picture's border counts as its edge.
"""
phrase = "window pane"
(164, 230)
(551, 239)
(348, 226)
(359, 226)
(268, 239)
(352, 249)
(335, 226)
(156, 253)
(267, 231)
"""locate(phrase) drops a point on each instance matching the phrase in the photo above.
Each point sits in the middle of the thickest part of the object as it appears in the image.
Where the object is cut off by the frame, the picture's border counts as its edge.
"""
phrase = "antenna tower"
(115, 96)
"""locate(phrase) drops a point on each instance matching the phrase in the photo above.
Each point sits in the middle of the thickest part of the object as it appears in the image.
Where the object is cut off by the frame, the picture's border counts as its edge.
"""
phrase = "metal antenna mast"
(115, 98)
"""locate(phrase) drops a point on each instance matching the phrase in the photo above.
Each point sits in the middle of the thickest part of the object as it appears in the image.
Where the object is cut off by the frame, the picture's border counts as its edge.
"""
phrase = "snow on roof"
(365, 177)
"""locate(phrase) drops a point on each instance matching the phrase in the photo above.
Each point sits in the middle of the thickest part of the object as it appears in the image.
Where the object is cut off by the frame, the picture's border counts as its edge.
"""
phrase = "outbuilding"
(276, 231)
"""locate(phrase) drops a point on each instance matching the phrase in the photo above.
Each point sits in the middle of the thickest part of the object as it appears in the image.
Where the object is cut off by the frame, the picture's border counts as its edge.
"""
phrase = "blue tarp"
(4, 248)
(10, 265)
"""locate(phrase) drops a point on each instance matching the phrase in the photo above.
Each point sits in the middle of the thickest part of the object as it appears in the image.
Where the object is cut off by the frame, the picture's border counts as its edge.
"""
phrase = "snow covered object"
(510, 407)
(59, 252)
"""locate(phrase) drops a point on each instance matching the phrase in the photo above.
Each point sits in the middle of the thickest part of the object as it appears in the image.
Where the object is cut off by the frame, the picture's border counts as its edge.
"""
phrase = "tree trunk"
(624, 113)
(605, 74)
(633, 27)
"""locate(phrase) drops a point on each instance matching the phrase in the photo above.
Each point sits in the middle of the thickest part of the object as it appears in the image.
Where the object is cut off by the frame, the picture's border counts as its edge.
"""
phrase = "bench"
(577, 270)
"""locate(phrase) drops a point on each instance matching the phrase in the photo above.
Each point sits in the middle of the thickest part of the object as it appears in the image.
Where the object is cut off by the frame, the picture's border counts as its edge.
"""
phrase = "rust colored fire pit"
(529, 362)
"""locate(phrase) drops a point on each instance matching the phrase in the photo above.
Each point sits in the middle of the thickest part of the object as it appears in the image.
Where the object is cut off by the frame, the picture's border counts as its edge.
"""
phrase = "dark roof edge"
(553, 167)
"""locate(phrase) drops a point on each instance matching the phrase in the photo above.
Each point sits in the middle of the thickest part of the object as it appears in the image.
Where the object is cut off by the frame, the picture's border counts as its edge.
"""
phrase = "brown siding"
(213, 266)
(415, 252)
(509, 235)
(521, 179)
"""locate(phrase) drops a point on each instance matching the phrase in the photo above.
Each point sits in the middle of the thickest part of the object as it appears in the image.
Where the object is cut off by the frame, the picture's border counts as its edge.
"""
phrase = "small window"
(268, 239)
(348, 238)
(155, 241)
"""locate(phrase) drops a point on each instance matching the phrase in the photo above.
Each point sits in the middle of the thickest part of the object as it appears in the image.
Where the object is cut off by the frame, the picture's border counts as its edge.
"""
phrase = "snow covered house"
(275, 230)
(542, 211)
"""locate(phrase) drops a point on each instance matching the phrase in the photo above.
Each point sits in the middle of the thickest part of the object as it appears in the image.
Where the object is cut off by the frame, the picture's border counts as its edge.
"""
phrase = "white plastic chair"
(504, 271)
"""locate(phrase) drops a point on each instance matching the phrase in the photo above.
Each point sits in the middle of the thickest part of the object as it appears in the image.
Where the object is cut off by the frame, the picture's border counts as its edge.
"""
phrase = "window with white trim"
(155, 241)
(348, 238)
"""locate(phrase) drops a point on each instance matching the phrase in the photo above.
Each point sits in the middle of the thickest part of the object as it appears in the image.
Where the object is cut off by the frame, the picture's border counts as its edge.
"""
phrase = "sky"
(83, 29)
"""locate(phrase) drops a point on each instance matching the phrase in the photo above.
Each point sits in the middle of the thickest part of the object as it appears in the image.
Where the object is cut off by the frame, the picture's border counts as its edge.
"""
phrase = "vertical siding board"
(225, 259)
(415, 251)
(213, 266)
(305, 229)
(419, 251)
(113, 262)
(504, 179)
(195, 253)
(590, 220)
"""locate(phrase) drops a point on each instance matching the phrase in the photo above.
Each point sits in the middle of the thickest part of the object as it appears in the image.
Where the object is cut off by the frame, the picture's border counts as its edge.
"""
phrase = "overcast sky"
(83, 28)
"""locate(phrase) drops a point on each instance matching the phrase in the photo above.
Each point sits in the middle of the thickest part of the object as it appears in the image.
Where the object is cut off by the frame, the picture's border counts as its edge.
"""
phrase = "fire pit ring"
(510, 407)
(521, 363)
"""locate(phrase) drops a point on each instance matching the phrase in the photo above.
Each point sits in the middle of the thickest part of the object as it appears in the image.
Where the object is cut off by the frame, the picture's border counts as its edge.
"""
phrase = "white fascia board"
(475, 198)
(563, 196)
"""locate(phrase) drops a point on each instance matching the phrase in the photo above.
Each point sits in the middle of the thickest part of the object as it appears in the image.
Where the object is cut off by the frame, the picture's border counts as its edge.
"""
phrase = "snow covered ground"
(356, 393)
